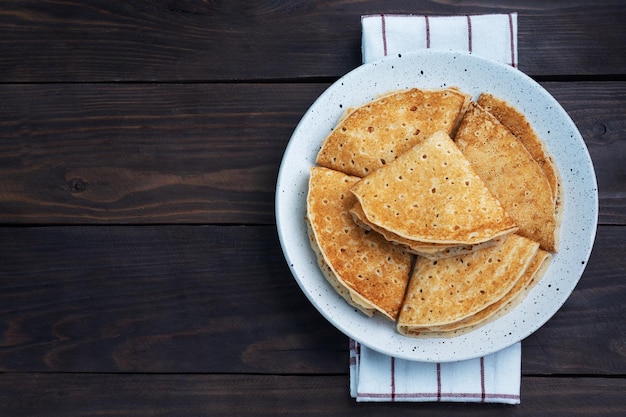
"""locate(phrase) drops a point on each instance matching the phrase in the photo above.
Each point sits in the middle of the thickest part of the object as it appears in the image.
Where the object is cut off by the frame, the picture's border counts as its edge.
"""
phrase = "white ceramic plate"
(437, 69)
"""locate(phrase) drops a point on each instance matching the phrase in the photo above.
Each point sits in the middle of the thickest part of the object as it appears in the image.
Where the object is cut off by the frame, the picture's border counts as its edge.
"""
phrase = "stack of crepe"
(433, 211)
(364, 268)
(370, 136)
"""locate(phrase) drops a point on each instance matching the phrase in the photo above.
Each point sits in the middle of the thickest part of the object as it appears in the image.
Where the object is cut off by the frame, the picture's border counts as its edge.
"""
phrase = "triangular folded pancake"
(370, 272)
(432, 194)
(511, 174)
(452, 289)
(516, 122)
(373, 135)
(531, 275)
(428, 250)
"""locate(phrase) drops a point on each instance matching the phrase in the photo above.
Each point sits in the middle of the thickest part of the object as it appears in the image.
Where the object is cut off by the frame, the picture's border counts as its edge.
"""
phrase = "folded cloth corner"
(493, 378)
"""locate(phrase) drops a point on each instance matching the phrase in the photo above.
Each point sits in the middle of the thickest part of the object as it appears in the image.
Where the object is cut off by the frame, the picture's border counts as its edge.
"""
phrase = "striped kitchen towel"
(491, 36)
(493, 378)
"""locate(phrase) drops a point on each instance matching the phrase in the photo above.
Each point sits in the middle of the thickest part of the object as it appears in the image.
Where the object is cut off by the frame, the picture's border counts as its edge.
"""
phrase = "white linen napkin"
(492, 36)
(493, 378)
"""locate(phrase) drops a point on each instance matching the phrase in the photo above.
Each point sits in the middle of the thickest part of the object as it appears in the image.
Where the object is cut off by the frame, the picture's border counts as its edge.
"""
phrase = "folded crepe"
(446, 291)
(531, 275)
(516, 122)
(370, 136)
(431, 194)
(511, 174)
(428, 250)
(364, 268)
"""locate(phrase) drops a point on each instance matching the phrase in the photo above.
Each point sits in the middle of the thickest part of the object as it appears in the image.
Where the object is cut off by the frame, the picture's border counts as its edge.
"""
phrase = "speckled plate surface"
(437, 69)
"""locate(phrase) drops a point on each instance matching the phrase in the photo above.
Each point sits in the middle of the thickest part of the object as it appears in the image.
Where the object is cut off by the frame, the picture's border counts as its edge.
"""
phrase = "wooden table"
(140, 270)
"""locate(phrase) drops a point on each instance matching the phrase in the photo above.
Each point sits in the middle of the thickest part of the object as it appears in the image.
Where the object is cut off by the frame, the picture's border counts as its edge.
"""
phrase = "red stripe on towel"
(469, 33)
(512, 37)
(384, 33)
(427, 31)
(393, 378)
(439, 396)
(482, 379)
(438, 382)
(355, 352)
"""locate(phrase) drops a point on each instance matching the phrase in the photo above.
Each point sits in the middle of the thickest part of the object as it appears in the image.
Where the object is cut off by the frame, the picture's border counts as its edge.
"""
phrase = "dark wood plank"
(86, 395)
(221, 299)
(145, 153)
(164, 299)
(76, 41)
(206, 153)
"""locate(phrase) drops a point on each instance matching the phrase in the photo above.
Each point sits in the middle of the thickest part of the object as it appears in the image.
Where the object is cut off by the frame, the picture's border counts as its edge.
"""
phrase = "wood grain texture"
(140, 269)
(203, 153)
(217, 299)
(54, 395)
(145, 153)
(156, 299)
(76, 41)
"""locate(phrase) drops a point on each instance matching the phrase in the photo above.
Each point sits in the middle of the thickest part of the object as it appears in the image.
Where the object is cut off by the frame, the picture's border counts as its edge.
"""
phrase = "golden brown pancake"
(475, 210)
(362, 266)
(516, 122)
(373, 135)
(432, 194)
(511, 174)
(448, 290)
(428, 250)
(332, 279)
(532, 273)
